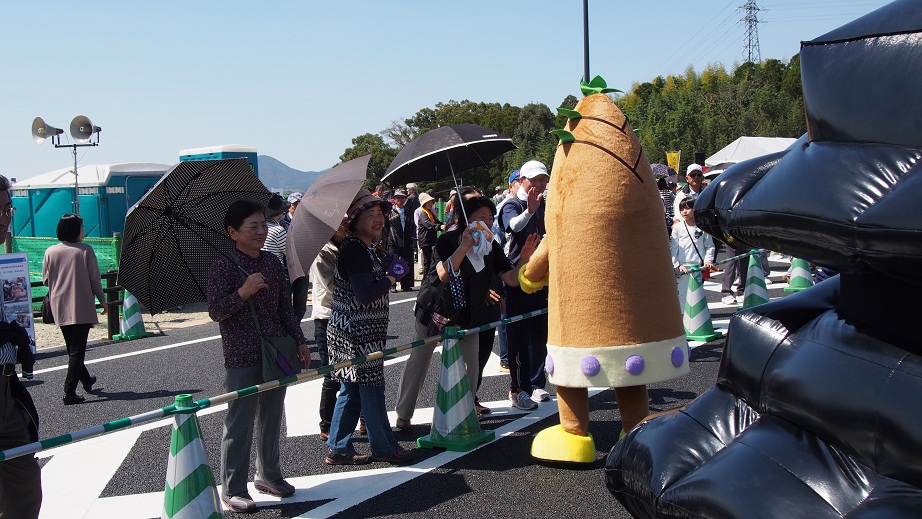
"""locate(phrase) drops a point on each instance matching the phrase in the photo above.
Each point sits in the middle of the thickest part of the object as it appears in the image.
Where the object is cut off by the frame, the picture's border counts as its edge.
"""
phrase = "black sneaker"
(350, 458)
(73, 399)
(277, 488)
(88, 386)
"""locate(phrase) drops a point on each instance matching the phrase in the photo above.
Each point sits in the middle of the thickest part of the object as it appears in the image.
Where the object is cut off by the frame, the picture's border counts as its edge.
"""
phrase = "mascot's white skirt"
(617, 366)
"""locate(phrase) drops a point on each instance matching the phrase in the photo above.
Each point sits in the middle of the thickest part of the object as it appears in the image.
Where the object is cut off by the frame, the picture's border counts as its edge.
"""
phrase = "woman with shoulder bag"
(467, 254)
(248, 296)
(71, 273)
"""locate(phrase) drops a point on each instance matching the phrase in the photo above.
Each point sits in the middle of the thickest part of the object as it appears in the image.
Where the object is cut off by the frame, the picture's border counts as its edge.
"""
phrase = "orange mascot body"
(613, 314)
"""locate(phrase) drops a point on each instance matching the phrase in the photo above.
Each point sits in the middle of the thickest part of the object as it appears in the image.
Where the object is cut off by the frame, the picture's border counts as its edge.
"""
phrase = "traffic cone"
(190, 491)
(800, 276)
(697, 316)
(755, 293)
(132, 323)
(454, 421)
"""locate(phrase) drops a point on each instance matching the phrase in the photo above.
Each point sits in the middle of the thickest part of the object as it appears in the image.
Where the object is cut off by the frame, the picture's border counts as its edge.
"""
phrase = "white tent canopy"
(745, 148)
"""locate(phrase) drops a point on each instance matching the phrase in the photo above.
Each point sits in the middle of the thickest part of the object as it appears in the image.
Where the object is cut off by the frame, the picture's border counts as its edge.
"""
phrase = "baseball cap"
(692, 167)
(514, 176)
(533, 168)
(294, 197)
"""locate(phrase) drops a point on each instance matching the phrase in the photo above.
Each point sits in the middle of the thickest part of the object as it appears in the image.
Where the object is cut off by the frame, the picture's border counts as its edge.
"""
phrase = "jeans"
(75, 336)
(266, 409)
(355, 399)
(330, 387)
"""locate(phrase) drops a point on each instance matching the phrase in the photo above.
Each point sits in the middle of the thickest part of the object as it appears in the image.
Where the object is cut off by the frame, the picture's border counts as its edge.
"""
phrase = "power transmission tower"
(751, 19)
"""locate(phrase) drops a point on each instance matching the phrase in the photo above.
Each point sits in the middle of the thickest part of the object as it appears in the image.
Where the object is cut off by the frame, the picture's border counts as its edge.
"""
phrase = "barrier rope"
(204, 403)
(753, 252)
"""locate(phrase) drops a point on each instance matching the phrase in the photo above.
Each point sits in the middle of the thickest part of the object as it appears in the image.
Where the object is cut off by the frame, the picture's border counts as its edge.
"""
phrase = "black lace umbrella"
(176, 231)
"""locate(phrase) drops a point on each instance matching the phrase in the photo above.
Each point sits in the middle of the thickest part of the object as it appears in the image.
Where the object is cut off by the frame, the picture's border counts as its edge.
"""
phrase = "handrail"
(171, 409)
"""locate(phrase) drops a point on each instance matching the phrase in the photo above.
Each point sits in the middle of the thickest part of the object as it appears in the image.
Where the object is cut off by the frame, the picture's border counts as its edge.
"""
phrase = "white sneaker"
(728, 299)
(540, 395)
(768, 281)
(522, 401)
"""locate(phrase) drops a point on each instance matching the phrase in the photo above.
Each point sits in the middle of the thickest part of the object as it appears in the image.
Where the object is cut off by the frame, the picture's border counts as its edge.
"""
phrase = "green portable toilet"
(106, 191)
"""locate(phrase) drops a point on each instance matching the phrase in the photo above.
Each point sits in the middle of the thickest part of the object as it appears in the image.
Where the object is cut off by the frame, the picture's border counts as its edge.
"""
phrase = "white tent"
(745, 148)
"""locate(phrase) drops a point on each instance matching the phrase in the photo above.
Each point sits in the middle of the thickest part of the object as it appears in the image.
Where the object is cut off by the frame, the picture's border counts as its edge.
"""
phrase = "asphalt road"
(122, 474)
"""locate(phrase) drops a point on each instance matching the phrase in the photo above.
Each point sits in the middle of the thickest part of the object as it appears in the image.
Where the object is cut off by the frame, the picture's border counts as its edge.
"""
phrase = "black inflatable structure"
(817, 410)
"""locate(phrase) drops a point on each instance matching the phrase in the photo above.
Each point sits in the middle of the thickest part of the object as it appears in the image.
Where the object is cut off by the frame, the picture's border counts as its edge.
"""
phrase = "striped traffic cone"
(190, 491)
(697, 316)
(755, 293)
(454, 421)
(132, 323)
(800, 276)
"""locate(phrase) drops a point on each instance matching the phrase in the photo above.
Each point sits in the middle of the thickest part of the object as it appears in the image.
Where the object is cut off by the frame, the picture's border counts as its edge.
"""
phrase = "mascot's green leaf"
(570, 114)
(596, 86)
(563, 135)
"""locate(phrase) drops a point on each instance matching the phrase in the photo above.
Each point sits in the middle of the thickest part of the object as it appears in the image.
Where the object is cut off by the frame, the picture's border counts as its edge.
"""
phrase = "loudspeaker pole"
(81, 129)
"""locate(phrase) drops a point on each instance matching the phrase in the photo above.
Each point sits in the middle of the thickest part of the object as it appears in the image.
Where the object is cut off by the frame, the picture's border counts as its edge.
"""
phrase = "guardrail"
(112, 302)
(204, 403)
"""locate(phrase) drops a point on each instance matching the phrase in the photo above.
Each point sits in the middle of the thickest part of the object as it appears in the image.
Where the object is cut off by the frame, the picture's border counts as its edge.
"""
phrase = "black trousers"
(330, 387)
(75, 336)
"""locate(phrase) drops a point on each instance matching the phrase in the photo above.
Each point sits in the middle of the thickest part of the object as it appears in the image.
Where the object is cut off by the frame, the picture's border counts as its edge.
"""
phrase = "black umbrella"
(176, 231)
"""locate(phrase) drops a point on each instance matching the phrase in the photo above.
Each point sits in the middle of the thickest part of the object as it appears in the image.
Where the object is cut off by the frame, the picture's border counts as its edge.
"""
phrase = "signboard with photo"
(16, 293)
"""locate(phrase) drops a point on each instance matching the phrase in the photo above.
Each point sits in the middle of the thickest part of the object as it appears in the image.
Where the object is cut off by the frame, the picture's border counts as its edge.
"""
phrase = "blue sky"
(299, 80)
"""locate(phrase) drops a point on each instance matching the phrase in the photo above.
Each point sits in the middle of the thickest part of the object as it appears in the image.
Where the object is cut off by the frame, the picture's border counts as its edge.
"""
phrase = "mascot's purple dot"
(590, 366)
(634, 364)
(678, 356)
(549, 365)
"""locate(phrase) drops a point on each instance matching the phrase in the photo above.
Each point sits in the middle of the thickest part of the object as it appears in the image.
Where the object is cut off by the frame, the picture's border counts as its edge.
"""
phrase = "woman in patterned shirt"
(358, 327)
(242, 282)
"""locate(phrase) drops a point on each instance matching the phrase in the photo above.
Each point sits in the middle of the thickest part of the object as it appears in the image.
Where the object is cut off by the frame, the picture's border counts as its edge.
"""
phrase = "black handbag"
(47, 316)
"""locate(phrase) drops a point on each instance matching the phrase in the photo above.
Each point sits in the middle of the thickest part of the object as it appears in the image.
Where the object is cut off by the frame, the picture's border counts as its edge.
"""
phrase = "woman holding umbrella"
(358, 327)
(246, 285)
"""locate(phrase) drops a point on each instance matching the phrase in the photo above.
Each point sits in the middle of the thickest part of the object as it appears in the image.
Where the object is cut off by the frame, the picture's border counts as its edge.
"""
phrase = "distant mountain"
(276, 175)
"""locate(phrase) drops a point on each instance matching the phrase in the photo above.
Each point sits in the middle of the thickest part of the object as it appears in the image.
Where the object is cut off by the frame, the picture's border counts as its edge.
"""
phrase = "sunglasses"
(696, 175)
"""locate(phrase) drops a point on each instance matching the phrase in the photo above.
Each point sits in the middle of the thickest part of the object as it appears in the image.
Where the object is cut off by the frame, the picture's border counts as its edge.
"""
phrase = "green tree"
(381, 156)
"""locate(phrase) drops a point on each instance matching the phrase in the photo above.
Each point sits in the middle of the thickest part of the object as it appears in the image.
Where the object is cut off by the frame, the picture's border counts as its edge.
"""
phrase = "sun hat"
(363, 200)
(425, 198)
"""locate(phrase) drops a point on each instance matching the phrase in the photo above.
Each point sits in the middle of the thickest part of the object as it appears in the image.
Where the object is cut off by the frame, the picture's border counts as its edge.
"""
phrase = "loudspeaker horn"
(82, 129)
(41, 130)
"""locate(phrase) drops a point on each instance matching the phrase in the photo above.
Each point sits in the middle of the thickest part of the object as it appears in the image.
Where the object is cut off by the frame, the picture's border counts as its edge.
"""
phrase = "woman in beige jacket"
(71, 273)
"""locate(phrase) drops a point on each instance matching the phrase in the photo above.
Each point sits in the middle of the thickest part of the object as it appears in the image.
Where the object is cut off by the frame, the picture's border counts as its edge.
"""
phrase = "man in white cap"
(294, 199)
(694, 175)
(523, 215)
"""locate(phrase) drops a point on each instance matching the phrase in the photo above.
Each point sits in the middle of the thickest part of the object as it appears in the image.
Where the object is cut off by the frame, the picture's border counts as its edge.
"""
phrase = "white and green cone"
(454, 420)
(131, 324)
(755, 293)
(697, 317)
(800, 276)
(190, 491)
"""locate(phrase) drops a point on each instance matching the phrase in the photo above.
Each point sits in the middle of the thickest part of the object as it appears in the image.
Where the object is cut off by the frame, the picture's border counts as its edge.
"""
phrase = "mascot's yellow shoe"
(556, 444)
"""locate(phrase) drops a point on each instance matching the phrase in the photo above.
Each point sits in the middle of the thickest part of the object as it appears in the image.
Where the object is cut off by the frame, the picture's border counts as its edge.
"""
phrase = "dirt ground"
(49, 336)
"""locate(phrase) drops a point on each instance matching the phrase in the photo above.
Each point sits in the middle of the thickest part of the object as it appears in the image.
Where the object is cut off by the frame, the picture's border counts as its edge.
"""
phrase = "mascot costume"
(614, 319)
(817, 410)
